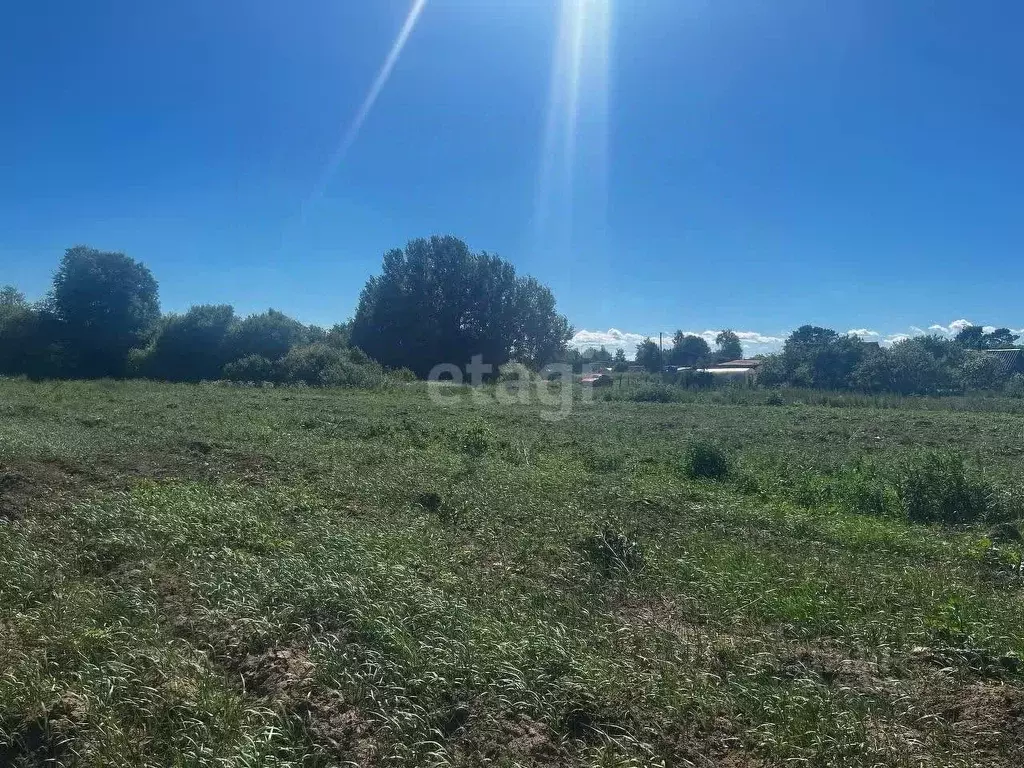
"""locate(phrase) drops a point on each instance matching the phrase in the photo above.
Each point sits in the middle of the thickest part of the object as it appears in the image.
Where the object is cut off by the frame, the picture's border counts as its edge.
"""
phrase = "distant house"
(1011, 360)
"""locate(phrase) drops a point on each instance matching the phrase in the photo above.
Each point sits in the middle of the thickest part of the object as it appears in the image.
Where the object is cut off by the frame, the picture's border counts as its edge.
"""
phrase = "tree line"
(822, 358)
(435, 301)
(686, 350)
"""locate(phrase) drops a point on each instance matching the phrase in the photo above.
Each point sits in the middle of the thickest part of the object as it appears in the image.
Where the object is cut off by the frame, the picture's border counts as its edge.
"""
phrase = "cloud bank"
(754, 342)
(757, 342)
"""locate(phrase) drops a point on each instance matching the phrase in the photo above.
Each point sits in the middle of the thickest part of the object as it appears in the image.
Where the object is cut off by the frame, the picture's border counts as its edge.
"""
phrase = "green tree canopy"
(107, 303)
(975, 337)
(649, 355)
(269, 335)
(28, 337)
(189, 347)
(688, 350)
(597, 355)
(11, 297)
(438, 302)
(727, 346)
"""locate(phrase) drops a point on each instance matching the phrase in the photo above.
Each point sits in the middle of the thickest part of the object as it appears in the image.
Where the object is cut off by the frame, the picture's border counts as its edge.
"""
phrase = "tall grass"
(207, 576)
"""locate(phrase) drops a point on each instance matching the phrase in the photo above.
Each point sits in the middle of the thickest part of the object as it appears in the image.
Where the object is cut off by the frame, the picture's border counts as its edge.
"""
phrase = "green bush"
(309, 363)
(250, 368)
(653, 393)
(401, 375)
(347, 374)
(866, 489)
(942, 488)
(706, 460)
(613, 551)
(1015, 386)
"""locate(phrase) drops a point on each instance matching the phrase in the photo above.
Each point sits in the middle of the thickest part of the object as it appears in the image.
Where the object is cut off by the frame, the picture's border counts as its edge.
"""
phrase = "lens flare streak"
(576, 126)
(371, 98)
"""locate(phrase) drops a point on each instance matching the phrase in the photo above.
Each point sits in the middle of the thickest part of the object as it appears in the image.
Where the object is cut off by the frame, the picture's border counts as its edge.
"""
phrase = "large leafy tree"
(819, 357)
(107, 303)
(688, 350)
(648, 354)
(597, 355)
(975, 337)
(11, 298)
(727, 346)
(438, 302)
(1001, 338)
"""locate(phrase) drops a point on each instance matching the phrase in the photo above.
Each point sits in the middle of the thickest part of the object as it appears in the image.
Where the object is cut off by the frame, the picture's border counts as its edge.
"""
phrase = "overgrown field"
(208, 576)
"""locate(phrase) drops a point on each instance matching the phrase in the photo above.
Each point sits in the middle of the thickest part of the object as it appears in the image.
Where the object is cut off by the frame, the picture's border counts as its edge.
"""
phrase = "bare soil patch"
(284, 677)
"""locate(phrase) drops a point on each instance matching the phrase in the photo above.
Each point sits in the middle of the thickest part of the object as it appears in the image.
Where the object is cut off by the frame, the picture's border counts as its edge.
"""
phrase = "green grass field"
(211, 576)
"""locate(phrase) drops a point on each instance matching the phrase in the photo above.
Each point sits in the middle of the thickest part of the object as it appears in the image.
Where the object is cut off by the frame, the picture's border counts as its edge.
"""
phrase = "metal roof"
(741, 363)
(720, 371)
(1011, 359)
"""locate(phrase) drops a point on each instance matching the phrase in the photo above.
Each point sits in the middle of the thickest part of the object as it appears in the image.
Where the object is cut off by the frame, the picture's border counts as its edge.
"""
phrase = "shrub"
(865, 489)
(250, 368)
(347, 374)
(401, 375)
(653, 393)
(188, 347)
(270, 334)
(475, 439)
(1015, 386)
(706, 460)
(941, 488)
(309, 362)
(613, 551)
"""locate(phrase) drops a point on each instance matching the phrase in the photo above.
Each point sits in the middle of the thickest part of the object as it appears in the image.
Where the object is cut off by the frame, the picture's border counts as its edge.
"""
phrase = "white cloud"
(892, 338)
(753, 337)
(754, 342)
(952, 329)
(612, 339)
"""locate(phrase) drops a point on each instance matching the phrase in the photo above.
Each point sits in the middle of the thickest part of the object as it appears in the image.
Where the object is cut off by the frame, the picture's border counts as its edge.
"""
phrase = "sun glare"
(576, 127)
(350, 135)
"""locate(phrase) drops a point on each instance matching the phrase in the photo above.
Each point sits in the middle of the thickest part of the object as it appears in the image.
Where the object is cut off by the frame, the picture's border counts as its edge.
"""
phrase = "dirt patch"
(509, 740)
(36, 486)
(285, 678)
(833, 667)
(702, 643)
(44, 740)
(278, 673)
(986, 718)
(30, 487)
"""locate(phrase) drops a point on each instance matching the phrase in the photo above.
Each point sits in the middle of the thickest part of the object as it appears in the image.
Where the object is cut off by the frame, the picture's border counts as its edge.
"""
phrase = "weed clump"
(707, 461)
(613, 552)
(653, 393)
(475, 440)
(942, 488)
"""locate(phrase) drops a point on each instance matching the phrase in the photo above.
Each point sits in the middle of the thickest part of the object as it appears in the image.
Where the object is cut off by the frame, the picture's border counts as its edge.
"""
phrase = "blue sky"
(662, 164)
